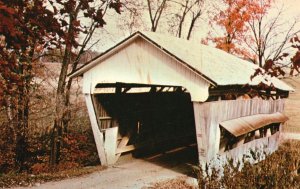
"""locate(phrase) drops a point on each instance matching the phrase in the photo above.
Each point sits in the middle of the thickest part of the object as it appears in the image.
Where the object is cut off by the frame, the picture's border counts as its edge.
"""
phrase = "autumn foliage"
(24, 32)
(28, 30)
(70, 13)
(295, 60)
(277, 67)
(31, 29)
(232, 21)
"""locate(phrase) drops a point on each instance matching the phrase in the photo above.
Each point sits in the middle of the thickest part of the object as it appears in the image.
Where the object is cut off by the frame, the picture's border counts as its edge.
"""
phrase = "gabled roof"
(214, 65)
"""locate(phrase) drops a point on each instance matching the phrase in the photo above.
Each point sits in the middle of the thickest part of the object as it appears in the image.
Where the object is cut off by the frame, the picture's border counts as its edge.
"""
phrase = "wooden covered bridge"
(153, 92)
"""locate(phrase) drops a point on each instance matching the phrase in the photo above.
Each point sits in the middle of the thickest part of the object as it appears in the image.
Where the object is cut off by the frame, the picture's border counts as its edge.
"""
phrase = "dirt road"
(134, 173)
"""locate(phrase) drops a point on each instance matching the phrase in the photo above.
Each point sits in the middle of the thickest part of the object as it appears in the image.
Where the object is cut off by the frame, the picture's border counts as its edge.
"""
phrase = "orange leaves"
(233, 20)
(73, 145)
(39, 168)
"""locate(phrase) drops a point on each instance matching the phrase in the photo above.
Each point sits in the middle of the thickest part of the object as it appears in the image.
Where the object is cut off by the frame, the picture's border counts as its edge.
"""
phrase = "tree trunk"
(60, 109)
(67, 117)
(21, 125)
(260, 60)
(192, 25)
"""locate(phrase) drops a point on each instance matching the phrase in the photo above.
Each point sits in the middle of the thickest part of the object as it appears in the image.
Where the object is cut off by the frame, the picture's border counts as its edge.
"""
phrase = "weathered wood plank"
(257, 134)
(208, 116)
(200, 132)
(125, 149)
(98, 136)
(171, 71)
(110, 144)
(124, 141)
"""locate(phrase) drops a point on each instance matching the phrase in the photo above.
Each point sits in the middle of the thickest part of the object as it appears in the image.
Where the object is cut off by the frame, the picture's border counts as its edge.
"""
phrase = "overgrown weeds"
(177, 183)
(279, 170)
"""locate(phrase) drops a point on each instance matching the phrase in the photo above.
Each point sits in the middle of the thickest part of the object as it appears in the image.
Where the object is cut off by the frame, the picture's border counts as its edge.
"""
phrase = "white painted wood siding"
(98, 136)
(142, 62)
(267, 144)
(208, 116)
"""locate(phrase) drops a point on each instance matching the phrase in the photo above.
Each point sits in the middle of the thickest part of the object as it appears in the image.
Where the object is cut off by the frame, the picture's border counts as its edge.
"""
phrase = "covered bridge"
(153, 92)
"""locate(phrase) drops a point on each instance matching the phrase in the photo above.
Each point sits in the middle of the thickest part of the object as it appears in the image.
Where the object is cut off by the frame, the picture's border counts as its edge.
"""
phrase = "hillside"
(292, 108)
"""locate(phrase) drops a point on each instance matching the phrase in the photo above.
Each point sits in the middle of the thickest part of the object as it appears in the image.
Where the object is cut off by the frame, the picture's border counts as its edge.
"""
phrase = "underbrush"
(279, 170)
(78, 152)
(78, 147)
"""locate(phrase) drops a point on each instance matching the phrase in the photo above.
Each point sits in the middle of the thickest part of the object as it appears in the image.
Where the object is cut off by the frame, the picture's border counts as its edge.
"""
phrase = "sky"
(112, 33)
(293, 6)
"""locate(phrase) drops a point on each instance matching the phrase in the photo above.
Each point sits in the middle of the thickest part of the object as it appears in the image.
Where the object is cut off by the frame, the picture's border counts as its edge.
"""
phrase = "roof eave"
(80, 71)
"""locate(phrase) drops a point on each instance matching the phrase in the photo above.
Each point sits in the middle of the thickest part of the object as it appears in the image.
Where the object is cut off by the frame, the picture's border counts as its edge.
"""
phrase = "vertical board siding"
(208, 115)
(141, 62)
(98, 136)
(110, 145)
(258, 144)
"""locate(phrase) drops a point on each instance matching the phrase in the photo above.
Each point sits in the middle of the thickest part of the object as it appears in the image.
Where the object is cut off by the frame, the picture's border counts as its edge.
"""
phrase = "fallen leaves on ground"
(24, 179)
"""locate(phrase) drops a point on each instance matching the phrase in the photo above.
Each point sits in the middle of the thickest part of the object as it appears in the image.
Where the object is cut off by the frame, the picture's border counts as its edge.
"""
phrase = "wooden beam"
(121, 145)
(110, 144)
(268, 132)
(105, 118)
(153, 89)
(257, 134)
(124, 142)
(239, 90)
(161, 89)
(118, 90)
(126, 89)
(98, 136)
(223, 144)
(178, 89)
(125, 149)
(132, 85)
(201, 135)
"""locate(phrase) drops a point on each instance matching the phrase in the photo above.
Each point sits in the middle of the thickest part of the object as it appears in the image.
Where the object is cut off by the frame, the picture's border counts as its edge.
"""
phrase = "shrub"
(7, 154)
(278, 170)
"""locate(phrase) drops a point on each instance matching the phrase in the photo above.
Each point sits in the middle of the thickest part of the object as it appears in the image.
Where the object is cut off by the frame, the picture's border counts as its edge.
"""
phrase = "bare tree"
(190, 9)
(71, 13)
(270, 37)
(131, 19)
(155, 12)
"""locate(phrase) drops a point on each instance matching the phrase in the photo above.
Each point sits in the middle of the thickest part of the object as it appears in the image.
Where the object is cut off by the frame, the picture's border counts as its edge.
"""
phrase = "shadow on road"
(182, 160)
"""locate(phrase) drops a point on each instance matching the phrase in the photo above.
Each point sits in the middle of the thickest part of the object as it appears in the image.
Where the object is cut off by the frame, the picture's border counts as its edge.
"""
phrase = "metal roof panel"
(214, 65)
(243, 125)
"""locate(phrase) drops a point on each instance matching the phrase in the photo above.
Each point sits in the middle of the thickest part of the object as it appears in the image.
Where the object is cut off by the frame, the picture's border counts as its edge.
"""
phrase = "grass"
(281, 169)
(24, 179)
